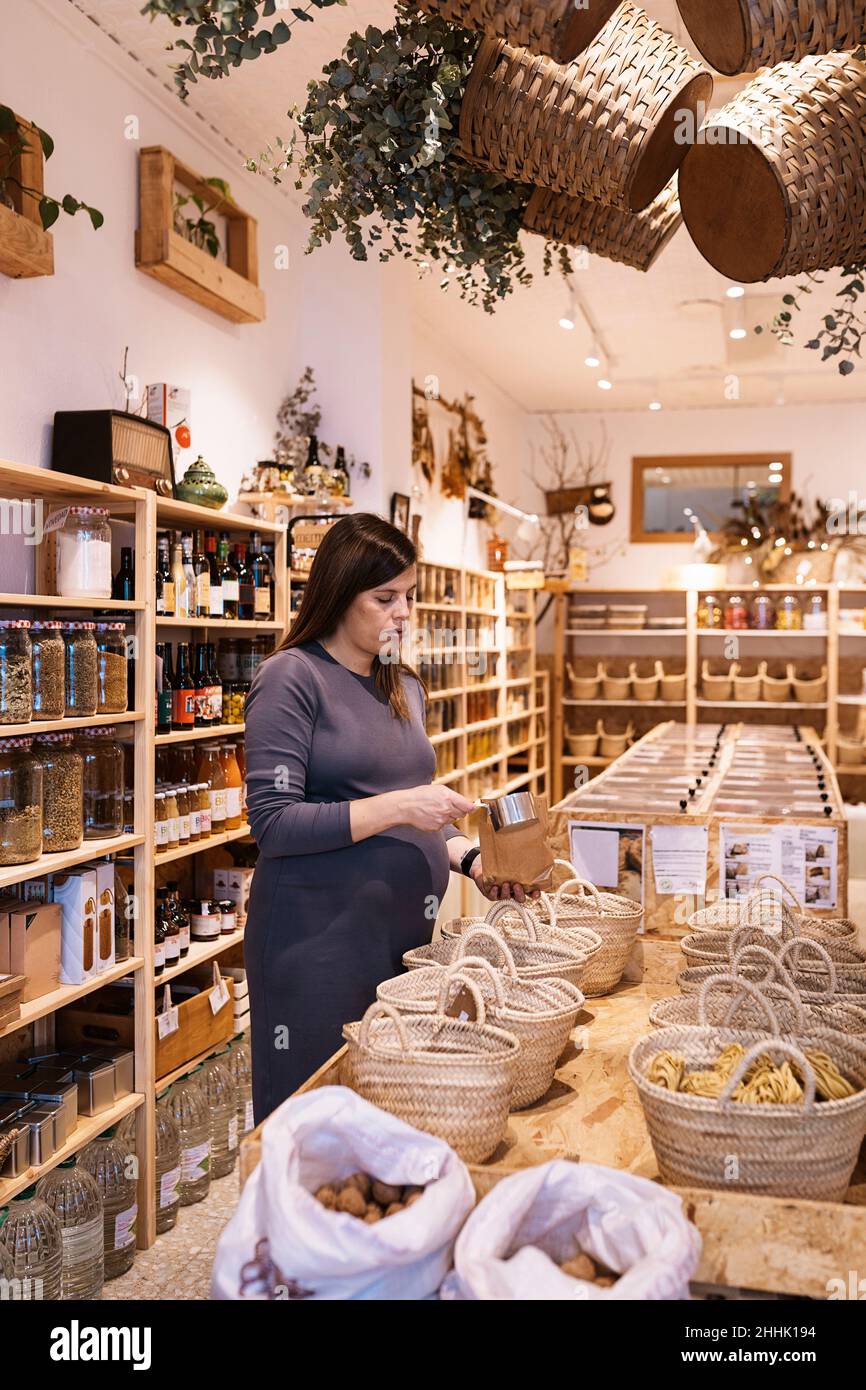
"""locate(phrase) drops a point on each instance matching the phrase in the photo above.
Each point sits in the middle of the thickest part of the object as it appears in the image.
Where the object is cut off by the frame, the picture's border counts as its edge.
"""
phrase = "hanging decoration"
(566, 470)
(559, 29)
(745, 35)
(466, 463)
(636, 239)
(423, 450)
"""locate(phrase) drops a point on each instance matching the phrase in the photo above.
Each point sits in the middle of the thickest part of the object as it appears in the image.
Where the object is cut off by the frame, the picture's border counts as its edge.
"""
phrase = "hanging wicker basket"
(606, 126)
(776, 185)
(558, 28)
(636, 239)
(745, 35)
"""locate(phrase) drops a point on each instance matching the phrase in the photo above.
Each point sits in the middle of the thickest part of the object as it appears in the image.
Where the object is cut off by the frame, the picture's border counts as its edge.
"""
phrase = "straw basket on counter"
(635, 239)
(808, 1149)
(613, 745)
(747, 684)
(809, 690)
(539, 1013)
(717, 685)
(726, 1000)
(555, 27)
(840, 929)
(672, 685)
(813, 976)
(645, 687)
(745, 35)
(538, 957)
(614, 918)
(708, 948)
(584, 687)
(582, 745)
(603, 127)
(776, 690)
(615, 683)
(445, 1076)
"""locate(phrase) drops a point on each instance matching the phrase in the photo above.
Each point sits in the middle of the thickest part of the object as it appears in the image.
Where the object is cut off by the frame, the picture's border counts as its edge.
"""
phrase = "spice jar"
(763, 613)
(815, 614)
(789, 614)
(84, 554)
(47, 657)
(62, 792)
(20, 802)
(103, 782)
(16, 680)
(736, 613)
(709, 611)
(160, 823)
(80, 643)
(111, 674)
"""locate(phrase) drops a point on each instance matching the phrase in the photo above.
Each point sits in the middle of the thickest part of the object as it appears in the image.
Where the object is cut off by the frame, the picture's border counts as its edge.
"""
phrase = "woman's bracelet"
(468, 860)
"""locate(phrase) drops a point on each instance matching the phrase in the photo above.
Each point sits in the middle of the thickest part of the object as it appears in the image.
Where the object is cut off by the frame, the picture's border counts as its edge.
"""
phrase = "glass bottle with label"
(164, 687)
(228, 577)
(184, 597)
(180, 914)
(246, 587)
(202, 687)
(233, 784)
(123, 584)
(108, 1162)
(164, 581)
(201, 571)
(216, 686)
(182, 797)
(216, 581)
(183, 700)
(172, 935)
(168, 1169)
(160, 932)
(189, 570)
(160, 823)
(261, 579)
(172, 818)
(205, 818)
(210, 771)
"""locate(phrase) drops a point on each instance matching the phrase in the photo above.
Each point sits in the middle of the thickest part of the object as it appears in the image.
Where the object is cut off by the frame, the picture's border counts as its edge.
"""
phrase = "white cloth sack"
(535, 1220)
(303, 1250)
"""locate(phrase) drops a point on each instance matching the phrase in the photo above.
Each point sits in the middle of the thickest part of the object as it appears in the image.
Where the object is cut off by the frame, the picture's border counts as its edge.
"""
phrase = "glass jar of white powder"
(84, 554)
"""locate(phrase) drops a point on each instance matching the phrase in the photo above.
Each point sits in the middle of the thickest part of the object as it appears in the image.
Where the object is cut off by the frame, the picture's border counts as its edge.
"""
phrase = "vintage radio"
(112, 446)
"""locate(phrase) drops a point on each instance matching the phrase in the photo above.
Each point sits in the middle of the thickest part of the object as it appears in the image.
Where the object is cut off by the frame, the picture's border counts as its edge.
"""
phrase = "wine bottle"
(182, 594)
(123, 585)
(202, 687)
(215, 685)
(216, 583)
(183, 702)
(164, 582)
(201, 571)
(246, 588)
(164, 691)
(229, 577)
(261, 579)
(189, 571)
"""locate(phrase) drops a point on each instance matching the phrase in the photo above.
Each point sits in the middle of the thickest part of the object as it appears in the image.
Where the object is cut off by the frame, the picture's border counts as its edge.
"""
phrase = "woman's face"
(377, 619)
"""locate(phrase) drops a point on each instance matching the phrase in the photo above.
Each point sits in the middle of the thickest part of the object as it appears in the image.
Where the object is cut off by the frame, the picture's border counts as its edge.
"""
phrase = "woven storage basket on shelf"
(615, 685)
(536, 958)
(645, 687)
(442, 1075)
(777, 185)
(582, 745)
(744, 35)
(775, 689)
(672, 685)
(732, 1000)
(584, 687)
(615, 918)
(717, 687)
(611, 745)
(540, 1013)
(635, 239)
(850, 751)
(747, 685)
(555, 27)
(808, 1149)
(810, 690)
(604, 127)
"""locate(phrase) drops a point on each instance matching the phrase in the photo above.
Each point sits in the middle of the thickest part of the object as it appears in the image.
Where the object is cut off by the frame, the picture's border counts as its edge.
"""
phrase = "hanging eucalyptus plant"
(380, 160)
(842, 330)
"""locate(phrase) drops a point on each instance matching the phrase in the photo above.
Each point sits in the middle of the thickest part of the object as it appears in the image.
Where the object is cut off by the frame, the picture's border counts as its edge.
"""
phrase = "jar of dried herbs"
(80, 667)
(62, 792)
(16, 680)
(111, 682)
(48, 654)
(103, 782)
(20, 802)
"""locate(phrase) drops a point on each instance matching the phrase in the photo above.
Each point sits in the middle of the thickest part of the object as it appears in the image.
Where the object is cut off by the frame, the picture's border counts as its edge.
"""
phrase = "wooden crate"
(25, 249)
(199, 1028)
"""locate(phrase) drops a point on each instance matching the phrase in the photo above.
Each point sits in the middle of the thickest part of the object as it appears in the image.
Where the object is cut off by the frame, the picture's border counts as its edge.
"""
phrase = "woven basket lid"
(558, 28)
(745, 35)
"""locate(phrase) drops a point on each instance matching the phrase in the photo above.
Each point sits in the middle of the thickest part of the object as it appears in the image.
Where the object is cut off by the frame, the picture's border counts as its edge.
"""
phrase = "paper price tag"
(219, 996)
(167, 1022)
(55, 520)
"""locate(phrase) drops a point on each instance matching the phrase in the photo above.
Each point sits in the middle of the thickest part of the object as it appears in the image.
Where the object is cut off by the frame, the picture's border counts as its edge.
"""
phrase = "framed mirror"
(666, 490)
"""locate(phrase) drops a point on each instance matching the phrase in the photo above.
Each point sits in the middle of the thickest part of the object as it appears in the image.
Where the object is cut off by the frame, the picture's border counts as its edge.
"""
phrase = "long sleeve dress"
(328, 919)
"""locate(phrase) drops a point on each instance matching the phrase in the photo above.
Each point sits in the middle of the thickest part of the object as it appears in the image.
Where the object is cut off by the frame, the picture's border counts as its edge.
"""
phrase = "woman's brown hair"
(358, 552)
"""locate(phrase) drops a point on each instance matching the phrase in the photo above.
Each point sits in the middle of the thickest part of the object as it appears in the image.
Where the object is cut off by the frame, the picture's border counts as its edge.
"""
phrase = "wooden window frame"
(671, 462)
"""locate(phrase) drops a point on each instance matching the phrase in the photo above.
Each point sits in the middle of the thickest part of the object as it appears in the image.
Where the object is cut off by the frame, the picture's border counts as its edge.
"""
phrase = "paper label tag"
(167, 1023)
(462, 1006)
(219, 996)
(124, 1227)
(195, 1161)
(55, 520)
(249, 1122)
(168, 1187)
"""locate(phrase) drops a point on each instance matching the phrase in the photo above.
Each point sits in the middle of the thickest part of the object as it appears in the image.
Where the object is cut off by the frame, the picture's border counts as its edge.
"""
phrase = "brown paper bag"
(519, 854)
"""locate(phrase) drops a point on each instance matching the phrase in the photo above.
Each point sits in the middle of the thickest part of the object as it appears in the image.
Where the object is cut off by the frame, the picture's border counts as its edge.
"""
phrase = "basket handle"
(379, 1009)
(487, 934)
(550, 905)
(586, 888)
(745, 935)
(780, 971)
(797, 944)
(566, 864)
(783, 883)
(500, 909)
(757, 900)
(745, 987)
(465, 981)
(455, 970)
(772, 1045)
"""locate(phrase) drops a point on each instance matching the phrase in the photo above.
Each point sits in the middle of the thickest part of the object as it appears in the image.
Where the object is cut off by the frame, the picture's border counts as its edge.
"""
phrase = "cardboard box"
(233, 885)
(105, 909)
(35, 947)
(77, 894)
(170, 406)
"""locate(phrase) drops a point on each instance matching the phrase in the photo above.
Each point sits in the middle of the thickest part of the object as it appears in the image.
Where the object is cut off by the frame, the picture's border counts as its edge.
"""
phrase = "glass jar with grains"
(80, 644)
(103, 782)
(20, 802)
(48, 655)
(16, 681)
(111, 685)
(62, 792)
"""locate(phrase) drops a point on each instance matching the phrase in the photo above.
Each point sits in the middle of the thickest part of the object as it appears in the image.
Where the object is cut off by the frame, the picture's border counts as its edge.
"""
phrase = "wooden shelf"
(626, 631)
(593, 761)
(449, 776)
(77, 605)
(447, 694)
(483, 724)
(27, 480)
(46, 726)
(518, 748)
(163, 1082)
(445, 736)
(630, 700)
(290, 499)
(56, 863)
(199, 951)
(88, 1127)
(67, 994)
(485, 762)
(170, 510)
(184, 851)
(185, 735)
(759, 632)
(851, 769)
(221, 624)
(760, 704)
(515, 680)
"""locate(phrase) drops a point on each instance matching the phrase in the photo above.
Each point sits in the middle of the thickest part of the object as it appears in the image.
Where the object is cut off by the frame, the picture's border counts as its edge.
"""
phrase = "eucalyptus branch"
(843, 329)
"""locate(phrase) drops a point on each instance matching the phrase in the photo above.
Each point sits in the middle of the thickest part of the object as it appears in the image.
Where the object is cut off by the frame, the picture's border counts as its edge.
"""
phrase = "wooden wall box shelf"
(199, 1029)
(232, 289)
(26, 251)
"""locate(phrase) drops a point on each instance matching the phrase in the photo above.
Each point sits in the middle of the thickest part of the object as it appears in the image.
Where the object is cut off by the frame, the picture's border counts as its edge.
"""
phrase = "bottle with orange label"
(234, 785)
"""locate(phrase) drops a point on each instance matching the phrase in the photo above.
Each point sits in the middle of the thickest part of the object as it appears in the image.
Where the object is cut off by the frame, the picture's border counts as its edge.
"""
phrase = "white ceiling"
(656, 348)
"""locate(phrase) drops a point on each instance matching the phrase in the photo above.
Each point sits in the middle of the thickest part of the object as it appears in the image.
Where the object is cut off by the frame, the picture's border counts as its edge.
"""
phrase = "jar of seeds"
(103, 782)
(80, 665)
(20, 802)
(16, 680)
(48, 649)
(111, 684)
(62, 792)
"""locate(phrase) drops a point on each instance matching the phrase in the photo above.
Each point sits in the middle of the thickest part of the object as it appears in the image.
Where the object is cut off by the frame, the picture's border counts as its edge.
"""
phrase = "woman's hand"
(497, 892)
(432, 807)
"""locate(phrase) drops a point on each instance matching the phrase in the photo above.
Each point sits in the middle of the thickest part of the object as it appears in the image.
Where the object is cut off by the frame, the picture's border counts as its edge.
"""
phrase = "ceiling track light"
(737, 320)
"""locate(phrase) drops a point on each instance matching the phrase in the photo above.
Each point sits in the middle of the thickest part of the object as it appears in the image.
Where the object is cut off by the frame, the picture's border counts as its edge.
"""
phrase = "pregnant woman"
(355, 844)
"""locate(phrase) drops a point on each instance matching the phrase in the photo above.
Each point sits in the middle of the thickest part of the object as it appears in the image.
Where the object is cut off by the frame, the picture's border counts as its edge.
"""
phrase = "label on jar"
(195, 1161)
(159, 955)
(263, 602)
(217, 807)
(168, 597)
(229, 920)
(231, 591)
(233, 802)
(184, 828)
(206, 820)
(249, 1119)
(184, 938)
(172, 949)
(195, 822)
(233, 1133)
(216, 601)
(124, 1227)
(161, 829)
(203, 927)
(173, 827)
(168, 1188)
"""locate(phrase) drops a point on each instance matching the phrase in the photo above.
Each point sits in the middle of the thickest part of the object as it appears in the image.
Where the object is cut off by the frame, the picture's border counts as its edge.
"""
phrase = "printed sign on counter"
(680, 858)
(805, 856)
(610, 856)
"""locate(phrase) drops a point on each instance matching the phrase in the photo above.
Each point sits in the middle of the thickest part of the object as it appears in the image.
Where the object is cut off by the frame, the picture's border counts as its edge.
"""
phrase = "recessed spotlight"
(566, 322)
(604, 385)
(592, 360)
(737, 334)
(775, 467)
(735, 292)
(655, 405)
(666, 480)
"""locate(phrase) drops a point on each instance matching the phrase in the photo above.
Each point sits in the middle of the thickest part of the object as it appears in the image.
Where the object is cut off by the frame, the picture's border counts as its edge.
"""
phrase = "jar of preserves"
(84, 554)
(763, 613)
(103, 782)
(62, 792)
(48, 655)
(20, 802)
(736, 612)
(183, 826)
(789, 614)
(111, 668)
(80, 653)
(815, 614)
(16, 679)
(205, 816)
(205, 920)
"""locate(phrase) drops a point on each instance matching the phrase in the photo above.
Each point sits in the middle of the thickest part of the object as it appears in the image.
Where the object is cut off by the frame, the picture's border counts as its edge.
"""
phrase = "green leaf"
(302, 15)
(846, 368)
(281, 32)
(341, 78)
(262, 40)
(7, 120)
(70, 204)
(221, 186)
(96, 217)
(46, 142)
(49, 211)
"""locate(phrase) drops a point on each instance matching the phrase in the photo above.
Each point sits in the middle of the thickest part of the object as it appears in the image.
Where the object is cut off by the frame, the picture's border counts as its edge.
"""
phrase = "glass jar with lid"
(103, 782)
(48, 656)
(20, 802)
(736, 612)
(789, 614)
(62, 792)
(815, 613)
(80, 644)
(111, 668)
(709, 611)
(84, 554)
(763, 613)
(16, 679)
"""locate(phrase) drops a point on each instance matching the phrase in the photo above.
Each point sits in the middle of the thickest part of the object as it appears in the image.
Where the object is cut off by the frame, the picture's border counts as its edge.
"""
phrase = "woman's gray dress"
(328, 919)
